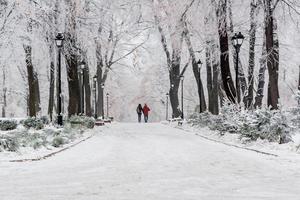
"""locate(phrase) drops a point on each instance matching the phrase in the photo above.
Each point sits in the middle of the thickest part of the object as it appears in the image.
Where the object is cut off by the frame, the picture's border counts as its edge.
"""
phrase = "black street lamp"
(200, 92)
(170, 97)
(107, 105)
(95, 96)
(59, 43)
(182, 78)
(167, 106)
(237, 40)
(81, 82)
(102, 87)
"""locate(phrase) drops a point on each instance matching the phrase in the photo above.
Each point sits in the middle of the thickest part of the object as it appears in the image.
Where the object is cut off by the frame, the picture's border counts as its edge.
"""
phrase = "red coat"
(146, 110)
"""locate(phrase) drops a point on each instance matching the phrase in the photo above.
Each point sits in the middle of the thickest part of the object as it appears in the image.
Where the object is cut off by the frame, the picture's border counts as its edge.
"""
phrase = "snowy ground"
(151, 162)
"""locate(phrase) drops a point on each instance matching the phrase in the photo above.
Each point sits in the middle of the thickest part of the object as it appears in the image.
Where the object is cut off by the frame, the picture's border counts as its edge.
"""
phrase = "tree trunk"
(175, 83)
(272, 56)
(214, 109)
(4, 94)
(71, 55)
(33, 93)
(52, 64)
(37, 93)
(196, 70)
(299, 79)
(224, 49)
(253, 26)
(87, 89)
(100, 103)
(51, 90)
(261, 77)
(73, 83)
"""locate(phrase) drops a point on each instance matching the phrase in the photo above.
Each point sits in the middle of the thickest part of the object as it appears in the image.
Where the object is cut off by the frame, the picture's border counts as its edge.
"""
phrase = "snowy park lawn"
(36, 144)
(291, 148)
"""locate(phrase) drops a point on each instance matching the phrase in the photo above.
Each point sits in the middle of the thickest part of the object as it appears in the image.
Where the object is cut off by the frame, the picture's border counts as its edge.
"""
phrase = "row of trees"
(100, 34)
(103, 34)
(174, 28)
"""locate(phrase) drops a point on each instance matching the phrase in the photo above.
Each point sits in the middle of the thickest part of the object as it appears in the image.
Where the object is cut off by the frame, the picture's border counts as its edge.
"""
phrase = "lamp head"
(238, 40)
(59, 40)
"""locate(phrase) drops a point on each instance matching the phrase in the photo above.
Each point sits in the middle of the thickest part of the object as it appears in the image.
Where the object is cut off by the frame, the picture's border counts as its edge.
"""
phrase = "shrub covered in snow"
(7, 125)
(44, 138)
(85, 121)
(34, 123)
(8, 143)
(45, 120)
(264, 124)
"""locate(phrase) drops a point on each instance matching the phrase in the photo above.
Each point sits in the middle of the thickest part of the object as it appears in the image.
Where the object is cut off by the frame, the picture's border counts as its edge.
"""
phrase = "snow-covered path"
(150, 162)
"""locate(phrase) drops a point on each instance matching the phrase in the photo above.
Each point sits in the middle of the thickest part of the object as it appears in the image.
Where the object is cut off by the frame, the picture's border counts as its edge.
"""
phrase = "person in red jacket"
(146, 110)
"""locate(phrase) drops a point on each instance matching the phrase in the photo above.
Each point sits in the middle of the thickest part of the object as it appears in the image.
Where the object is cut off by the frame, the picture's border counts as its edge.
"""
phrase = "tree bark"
(252, 34)
(212, 69)
(224, 49)
(87, 89)
(100, 81)
(52, 86)
(299, 79)
(51, 35)
(33, 93)
(4, 94)
(173, 62)
(261, 77)
(272, 56)
(196, 71)
(71, 59)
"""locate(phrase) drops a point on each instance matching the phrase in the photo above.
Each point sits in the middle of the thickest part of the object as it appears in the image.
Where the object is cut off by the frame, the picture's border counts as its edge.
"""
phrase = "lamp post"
(107, 105)
(237, 40)
(170, 96)
(167, 106)
(102, 87)
(81, 75)
(182, 78)
(59, 43)
(200, 92)
(95, 96)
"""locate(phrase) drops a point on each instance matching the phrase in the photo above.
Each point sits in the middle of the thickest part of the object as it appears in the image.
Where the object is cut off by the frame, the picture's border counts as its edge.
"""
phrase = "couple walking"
(145, 110)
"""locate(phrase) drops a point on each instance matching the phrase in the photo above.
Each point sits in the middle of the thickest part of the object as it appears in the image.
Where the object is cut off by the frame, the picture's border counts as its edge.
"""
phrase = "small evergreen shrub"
(58, 141)
(34, 123)
(260, 124)
(8, 143)
(7, 125)
(45, 120)
(87, 122)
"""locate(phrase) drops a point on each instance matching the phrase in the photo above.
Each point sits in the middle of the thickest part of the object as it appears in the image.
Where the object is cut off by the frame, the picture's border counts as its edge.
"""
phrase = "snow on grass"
(290, 149)
(34, 144)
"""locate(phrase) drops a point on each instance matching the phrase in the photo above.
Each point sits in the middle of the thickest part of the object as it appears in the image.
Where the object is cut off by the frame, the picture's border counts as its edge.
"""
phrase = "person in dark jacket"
(146, 110)
(139, 111)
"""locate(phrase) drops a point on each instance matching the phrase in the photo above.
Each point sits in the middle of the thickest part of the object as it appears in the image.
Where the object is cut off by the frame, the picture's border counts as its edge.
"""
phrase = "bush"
(264, 124)
(7, 125)
(58, 141)
(87, 122)
(8, 143)
(45, 120)
(33, 123)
